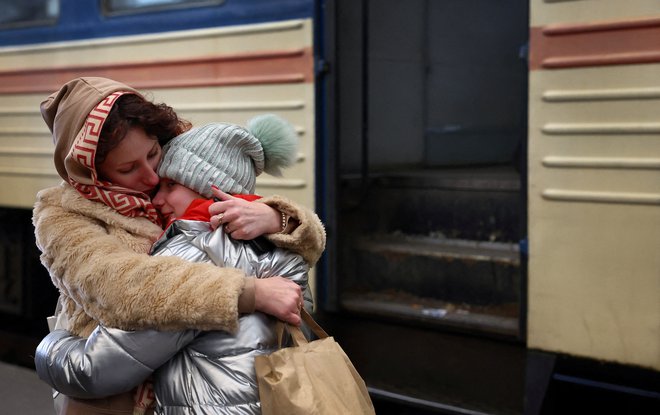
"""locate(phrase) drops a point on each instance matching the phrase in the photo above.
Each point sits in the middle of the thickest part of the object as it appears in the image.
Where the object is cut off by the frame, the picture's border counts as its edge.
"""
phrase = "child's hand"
(242, 219)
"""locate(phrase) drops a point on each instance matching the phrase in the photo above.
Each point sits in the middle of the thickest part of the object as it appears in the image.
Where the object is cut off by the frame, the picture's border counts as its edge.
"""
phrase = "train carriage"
(488, 173)
(594, 157)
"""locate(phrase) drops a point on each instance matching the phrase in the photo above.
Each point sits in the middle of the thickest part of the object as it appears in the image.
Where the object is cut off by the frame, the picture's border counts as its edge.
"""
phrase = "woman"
(208, 372)
(95, 229)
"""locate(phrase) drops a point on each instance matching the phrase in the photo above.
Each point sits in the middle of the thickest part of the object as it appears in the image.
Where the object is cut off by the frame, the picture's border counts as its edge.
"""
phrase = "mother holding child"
(96, 230)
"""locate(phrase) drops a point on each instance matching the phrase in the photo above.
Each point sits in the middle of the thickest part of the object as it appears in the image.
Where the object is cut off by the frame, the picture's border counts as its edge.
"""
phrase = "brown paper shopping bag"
(310, 378)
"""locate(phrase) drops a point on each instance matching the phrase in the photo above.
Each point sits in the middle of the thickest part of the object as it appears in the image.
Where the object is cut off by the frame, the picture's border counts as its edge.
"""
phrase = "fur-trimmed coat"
(98, 260)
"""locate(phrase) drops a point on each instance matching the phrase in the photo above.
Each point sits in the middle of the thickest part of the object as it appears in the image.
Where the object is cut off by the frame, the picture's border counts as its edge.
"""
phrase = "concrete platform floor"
(22, 393)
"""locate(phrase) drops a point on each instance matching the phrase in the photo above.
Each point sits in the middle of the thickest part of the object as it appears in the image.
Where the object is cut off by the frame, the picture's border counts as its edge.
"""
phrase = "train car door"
(424, 131)
(594, 181)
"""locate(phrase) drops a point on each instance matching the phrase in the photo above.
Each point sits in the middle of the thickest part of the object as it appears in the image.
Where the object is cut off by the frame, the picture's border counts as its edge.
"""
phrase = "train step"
(476, 204)
(473, 285)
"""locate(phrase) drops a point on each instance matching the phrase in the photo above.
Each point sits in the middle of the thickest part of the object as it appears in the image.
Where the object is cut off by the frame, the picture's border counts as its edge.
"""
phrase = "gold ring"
(220, 216)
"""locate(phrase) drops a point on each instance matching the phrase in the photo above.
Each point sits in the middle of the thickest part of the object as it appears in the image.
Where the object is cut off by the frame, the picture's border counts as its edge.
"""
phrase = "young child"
(207, 372)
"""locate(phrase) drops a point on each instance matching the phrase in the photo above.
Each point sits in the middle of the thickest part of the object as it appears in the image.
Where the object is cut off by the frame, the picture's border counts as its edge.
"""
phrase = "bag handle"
(309, 320)
(296, 334)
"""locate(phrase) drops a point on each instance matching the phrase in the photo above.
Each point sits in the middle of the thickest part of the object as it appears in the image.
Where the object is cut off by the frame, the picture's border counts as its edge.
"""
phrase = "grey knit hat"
(229, 156)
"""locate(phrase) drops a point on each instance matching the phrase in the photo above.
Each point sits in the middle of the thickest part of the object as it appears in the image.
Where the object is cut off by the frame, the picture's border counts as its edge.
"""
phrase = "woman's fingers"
(220, 197)
(216, 221)
(218, 209)
(220, 194)
(245, 220)
(280, 298)
(294, 319)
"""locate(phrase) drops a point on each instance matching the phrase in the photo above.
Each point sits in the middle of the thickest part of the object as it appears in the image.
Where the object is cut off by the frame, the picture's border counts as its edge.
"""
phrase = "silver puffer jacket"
(194, 372)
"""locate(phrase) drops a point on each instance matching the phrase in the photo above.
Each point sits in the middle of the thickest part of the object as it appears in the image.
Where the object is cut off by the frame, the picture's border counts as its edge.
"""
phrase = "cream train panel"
(173, 45)
(26, 163)
(22, 131)
(594, 204)
(544, 12)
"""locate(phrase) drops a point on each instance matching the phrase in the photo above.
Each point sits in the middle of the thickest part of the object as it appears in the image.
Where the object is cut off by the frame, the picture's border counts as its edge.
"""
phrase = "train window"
(114, 7)
(28, 13)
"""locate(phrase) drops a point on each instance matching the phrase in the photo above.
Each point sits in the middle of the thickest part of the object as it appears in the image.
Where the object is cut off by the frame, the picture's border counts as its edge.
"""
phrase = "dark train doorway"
(425, 122)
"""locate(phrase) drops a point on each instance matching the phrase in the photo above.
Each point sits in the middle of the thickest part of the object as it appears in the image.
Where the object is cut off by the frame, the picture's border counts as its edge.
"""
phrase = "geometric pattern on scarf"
(126, 201)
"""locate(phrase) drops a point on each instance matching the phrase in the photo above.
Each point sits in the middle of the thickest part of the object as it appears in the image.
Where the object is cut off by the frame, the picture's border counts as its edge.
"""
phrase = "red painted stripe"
(290, 66)
(595, 44)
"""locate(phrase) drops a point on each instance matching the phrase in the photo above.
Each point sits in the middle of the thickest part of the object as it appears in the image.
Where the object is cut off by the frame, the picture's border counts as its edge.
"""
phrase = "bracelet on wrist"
(285, 221)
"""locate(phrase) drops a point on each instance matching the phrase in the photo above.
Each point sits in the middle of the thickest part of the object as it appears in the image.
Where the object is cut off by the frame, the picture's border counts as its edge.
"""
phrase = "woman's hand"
(279, 297)
(242, 219)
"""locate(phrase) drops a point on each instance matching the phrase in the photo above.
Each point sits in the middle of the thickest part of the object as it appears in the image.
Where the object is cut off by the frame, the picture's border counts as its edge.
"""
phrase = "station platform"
(22, 393)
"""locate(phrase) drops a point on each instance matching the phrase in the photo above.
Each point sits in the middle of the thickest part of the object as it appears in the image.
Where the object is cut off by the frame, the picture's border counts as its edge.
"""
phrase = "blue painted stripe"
(84, 20)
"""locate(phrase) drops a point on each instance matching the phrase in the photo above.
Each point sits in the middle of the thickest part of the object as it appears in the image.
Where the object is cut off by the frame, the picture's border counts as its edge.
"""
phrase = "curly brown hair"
(131, 110)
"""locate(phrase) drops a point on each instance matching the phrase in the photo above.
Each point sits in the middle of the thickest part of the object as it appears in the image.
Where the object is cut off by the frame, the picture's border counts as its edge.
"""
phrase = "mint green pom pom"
(278, 139)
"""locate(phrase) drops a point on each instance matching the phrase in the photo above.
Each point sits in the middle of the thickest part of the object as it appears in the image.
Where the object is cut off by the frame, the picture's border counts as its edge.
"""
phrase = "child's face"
(172, 199)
